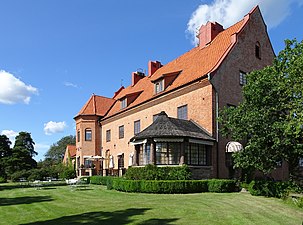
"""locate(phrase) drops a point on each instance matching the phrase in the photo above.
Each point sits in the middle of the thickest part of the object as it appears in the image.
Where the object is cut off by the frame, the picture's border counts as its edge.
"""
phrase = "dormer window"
(123, 103)
(159, 87)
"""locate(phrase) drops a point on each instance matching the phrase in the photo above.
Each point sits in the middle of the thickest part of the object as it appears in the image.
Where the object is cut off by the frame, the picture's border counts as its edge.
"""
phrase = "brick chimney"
(136, 76)
(208, 32)
(153, 66)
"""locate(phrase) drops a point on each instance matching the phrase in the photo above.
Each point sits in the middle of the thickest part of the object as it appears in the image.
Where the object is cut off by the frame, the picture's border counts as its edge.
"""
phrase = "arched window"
(258, 50)
(88, 134)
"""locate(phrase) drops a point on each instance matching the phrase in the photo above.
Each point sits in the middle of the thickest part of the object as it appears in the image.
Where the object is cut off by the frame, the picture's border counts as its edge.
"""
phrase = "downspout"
(217, 115)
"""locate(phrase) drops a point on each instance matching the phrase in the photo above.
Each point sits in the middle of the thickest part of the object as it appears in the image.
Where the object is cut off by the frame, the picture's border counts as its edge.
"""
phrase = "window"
(300, 162)
(182, 112)
(196, 154)
(121, 132)
(144, 155)
(257, 50)
(159, 87)
(168, 153)
(121, 161)
(78, 135)
(88, 163)
(108, 136)
(137, 127)
(123, 103)
(88, 134)
(242, 78)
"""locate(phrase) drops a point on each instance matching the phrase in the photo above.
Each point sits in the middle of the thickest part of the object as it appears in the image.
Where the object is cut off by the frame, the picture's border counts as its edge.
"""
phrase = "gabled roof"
(169, 127)
(71, 150)
(195, 64)
(96, 105)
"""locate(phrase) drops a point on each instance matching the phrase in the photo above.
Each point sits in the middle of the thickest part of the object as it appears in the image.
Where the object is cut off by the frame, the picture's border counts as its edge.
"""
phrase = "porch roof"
(169, 127)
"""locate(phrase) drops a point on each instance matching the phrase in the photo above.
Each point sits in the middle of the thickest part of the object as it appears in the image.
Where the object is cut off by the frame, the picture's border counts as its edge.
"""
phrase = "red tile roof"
(71, 150)
(193, 65)
(96, 105)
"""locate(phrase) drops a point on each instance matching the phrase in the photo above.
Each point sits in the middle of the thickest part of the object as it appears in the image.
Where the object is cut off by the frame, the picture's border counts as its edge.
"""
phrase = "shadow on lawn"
(24, 200)
(117, 217)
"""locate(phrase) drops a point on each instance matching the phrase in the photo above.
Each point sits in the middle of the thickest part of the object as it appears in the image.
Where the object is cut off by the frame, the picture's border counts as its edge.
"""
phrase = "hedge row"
(153, 172)
(166, 186)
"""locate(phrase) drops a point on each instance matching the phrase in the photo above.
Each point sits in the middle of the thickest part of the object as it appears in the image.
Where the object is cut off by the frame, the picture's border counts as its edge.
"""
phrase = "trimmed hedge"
(160, 186)
(153, 172)
(221, 185)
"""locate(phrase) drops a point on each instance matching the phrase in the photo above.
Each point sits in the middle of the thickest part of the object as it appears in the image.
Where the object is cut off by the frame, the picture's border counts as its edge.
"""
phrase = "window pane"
(174, 150)
(242, 78)
(202, 155)
(108, 136)
(121, 132)
(182, 112)
(88, 135)
(137, 127)
(161, 153)
(123, 103)
(78, 136)
(194, 154)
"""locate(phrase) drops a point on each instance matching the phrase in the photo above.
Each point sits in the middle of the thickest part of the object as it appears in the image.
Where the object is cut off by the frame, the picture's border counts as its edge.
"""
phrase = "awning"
(139, 142)
(168, 139)
(87, 156)
(120, 154)
(233, 146)
(202, 142)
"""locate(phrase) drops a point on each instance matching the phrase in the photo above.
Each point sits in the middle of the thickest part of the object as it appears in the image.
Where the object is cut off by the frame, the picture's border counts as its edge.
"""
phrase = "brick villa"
(168, 116)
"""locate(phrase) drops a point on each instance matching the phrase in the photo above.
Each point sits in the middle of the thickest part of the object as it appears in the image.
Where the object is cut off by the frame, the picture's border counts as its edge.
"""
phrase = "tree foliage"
(270, 119)
(57, 150)
(5, 152)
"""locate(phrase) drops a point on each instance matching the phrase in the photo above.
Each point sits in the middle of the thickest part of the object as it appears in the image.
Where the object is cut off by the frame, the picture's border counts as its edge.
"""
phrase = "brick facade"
(205, 89)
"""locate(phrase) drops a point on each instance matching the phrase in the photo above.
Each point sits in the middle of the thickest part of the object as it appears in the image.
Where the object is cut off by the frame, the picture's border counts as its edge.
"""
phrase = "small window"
(78, 135)
(108, 136)
(123, 103)
(159, 87)
(121, 161)
(88, 134)
(182, 112)
(300, 162)
(137, 127)
(242, 78)
(279, 163)
(121, 132)
(258, 50)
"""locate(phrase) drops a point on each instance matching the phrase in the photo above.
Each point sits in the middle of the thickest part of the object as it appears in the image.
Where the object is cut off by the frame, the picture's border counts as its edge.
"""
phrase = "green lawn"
(96, 205)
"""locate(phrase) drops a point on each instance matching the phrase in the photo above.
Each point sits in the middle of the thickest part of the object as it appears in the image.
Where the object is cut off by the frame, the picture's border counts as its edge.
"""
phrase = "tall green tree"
(270, 119)
(22, 154)
(5, 153)
(57, 150)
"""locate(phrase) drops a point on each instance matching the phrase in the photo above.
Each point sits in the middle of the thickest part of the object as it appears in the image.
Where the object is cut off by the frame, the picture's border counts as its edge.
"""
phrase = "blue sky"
(55, 53)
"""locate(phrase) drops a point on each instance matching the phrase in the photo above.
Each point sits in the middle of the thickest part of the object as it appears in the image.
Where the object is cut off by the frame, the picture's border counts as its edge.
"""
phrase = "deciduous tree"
(269, 121)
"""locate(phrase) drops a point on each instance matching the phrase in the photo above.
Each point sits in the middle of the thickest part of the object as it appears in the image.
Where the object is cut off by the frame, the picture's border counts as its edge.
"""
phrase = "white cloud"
(69, 84)
(54, 127)
(228, 12)
(10, 134)
(13, 90)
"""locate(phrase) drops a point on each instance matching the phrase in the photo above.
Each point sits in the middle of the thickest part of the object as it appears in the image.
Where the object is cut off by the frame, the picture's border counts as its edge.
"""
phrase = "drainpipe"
(217, 115)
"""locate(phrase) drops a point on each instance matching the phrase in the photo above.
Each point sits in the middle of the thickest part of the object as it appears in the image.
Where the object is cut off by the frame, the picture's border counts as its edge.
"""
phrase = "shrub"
(2, 180)
(20, 174)
(68, 173)
(85, 180)
(100, 180)
(160, 186)
(152, 172)
(269, 188)
(221, 185)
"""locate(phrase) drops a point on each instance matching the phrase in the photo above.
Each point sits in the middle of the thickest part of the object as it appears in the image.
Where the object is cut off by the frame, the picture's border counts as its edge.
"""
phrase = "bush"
(107, 181)
(220, 185)
(160, 186)
(85, 180)
(68, 173)
(269, 188)
(2, 180)
(152, 172)
(20, 174)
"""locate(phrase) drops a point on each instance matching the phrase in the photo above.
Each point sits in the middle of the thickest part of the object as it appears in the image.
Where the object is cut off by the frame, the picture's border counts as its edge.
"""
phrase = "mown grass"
(96, 205)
